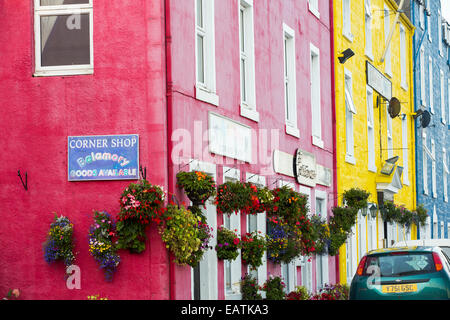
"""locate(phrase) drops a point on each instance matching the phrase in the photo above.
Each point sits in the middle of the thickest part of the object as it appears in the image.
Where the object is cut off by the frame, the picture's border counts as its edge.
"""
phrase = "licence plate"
(398, 288)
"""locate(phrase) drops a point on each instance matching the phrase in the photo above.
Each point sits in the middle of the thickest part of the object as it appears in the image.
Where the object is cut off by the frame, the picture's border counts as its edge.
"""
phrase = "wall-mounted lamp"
(346, 54)
(373, 210)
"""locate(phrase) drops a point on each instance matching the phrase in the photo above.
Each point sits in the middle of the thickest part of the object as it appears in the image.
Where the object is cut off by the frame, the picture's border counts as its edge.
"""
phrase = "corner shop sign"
(108, 157)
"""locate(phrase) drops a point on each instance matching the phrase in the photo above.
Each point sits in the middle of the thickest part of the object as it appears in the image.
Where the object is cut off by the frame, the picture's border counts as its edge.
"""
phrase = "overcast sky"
(446, 9)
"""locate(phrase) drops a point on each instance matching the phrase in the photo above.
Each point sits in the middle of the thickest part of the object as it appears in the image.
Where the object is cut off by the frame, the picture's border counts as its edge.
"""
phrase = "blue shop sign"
(108, 157)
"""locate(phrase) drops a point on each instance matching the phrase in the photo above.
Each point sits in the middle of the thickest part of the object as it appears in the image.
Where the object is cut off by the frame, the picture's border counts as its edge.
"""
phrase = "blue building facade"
(431, 54)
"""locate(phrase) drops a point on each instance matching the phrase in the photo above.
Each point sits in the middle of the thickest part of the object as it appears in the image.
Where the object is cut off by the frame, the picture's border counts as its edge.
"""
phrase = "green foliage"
(253, 245)
(274, 288)
(235, 196)
(332, 292)
(300, 293)
(197, 185)
(321, 234)
(140, 204)
(249, 288)
(420, 215)
(180, 233)
(356, 198)
(390, 212)
(227, 244)
(59, 244)
(340, 225)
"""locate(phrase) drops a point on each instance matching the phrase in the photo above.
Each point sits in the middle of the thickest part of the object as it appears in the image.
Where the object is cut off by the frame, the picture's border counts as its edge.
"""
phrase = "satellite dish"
(425, 120)
(394, 107)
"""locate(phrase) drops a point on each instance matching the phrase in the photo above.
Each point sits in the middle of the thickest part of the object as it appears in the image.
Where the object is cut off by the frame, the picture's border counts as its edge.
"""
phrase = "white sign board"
(377, 81)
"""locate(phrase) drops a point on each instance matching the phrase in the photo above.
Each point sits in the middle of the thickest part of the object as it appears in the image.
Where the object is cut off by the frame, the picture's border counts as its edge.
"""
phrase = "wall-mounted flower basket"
(140, 204)
(390, 212)
(59, 244)
(321, 235)
(283, 245)
(420, 216)
(227, 244)
(356, 198)
(288, 205)
(180, 233)
(197, 185)
(340, 225)
(235, 196)
(101, 245)
(253, 245)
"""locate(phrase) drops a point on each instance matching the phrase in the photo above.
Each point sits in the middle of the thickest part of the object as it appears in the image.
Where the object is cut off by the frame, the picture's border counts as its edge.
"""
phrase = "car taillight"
(361, 265)
(437, 261)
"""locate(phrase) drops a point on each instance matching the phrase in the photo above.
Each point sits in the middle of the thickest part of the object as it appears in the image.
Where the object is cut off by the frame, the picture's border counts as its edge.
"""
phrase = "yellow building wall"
(358, 175)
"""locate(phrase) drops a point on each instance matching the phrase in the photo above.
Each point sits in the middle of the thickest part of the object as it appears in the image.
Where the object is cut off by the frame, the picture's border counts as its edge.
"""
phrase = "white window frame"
(405, 149)
(425, 154)
(441, 49)
(370, 131)
(232, 174)
(387, 27)
(350, 111)
(305, 262)
(368, 29)
(347, 20)
(429, 20)
(289, 82)
(316, 104)
(403, 54)
(422, 16)
(433, 169)
(313, 6)
(389, 134)
(322, 259)
(209, 262)
(247, 55)
(446, 171)
(206, 90)
(422, 77)
(57, 10)
(362, 232)
(448, 95)
(430, 79)
(443, 115)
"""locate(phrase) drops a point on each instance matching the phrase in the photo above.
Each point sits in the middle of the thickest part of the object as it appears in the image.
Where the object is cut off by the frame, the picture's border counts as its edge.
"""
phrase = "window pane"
(65, 40)
(242, 30)
(200, 13)
(243, 82)
(200, 60)
(62, 2)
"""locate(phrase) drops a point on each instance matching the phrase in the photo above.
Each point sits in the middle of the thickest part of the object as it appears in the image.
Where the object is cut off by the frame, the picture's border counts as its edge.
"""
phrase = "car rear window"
(400, 264)
(446, 251)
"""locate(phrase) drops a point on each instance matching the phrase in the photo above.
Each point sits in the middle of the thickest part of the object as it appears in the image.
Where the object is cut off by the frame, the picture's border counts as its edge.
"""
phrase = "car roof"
(398, 249)
(424, 242)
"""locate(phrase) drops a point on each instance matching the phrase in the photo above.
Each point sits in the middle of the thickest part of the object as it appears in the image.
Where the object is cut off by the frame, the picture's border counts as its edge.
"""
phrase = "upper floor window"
(404, 82)
(290, 91)
(387, 27)
(63, 33)
(368, 28)
(315, 97)
(313, 6)
(346, 19)
(350, 111)
(205, 52)
(247, 60)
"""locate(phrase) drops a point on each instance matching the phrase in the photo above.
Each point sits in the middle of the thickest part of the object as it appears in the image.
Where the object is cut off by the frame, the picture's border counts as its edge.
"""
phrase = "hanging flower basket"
(101, 245)
(321, 234)
(390, 212)
(197, 185)
(420, 216)
(340, 225)
(180, 233)
(235, 196)
(204, 235)
(253, 245)
(405, 217)
(140, 204)
(250, 288)
(356, 198)
(59, 244)
(283, 244)
(227, 244)
(288, 205)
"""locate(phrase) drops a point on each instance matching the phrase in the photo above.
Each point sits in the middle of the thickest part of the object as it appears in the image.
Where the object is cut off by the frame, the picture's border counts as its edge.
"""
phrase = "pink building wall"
(269, 16)
(125, 95)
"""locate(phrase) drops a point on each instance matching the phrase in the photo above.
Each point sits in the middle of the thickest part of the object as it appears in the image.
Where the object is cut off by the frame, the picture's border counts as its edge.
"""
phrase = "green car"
(420, 273)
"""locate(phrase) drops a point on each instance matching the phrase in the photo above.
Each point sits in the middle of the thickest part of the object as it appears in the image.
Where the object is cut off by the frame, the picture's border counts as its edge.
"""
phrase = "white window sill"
(425, 192)
(388, 73)
(350, 159)
(291, 130)
(250, 113)
(372, 169)
(67, 72)
(314, 11)
(206, 95)
(406, 183)
(348, 36)
(236, 296)
(317, 142)
(431, 110)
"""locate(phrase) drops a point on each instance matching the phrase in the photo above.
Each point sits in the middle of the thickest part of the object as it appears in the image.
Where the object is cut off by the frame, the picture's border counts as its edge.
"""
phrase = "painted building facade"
(431, 43)
(77, 70)
(366, 134)
(233, 88)
(259, 71)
